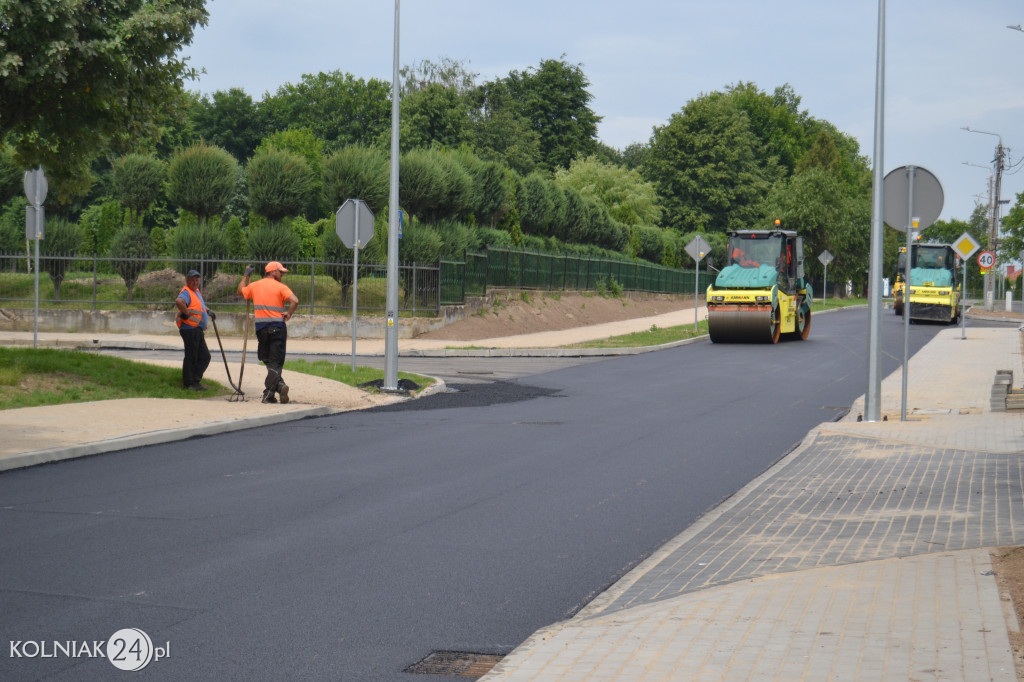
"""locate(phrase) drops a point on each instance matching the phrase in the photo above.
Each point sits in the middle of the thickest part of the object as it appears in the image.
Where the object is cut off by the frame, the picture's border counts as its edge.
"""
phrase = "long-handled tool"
(245, 340)
(239, 393)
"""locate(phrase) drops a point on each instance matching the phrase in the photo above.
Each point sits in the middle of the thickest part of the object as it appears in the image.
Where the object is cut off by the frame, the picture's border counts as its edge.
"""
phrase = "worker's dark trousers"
(271, 351)
(197, 355)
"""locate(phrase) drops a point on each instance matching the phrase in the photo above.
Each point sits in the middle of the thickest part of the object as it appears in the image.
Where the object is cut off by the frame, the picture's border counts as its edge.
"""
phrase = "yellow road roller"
(934, 284)
(761, 292)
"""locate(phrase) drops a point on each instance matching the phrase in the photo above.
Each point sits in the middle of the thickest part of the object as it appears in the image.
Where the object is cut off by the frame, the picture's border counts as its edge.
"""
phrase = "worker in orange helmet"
(274, 304)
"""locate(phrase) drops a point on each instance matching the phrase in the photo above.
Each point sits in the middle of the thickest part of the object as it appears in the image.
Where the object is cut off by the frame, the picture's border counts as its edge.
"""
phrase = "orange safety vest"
(195, 308)
(268, 298)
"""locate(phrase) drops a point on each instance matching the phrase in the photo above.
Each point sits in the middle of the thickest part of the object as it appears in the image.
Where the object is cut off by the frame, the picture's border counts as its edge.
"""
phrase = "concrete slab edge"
(58, 454)
(597, 606)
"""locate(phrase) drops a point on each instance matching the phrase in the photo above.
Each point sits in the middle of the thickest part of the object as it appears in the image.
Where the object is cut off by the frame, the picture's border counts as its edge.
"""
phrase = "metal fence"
(520, 269)
(101, 283)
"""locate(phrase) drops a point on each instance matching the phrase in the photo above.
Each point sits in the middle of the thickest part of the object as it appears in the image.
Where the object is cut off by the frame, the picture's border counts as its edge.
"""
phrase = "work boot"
(282, 389)
(268, 397)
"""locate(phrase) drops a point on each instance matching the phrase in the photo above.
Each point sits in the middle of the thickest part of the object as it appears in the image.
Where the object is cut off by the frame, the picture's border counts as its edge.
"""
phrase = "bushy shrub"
(357, 172)
(133, 248)
(457, 238)
(279, 183)
(273, 241)
(98, 224)
(61, 240)
(137, 180)
(420, 243)
(201, 247)
(201, 179)
(12, 225)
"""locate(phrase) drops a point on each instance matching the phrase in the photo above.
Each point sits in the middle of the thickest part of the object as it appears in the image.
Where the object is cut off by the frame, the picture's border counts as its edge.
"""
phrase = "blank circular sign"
(928, 197)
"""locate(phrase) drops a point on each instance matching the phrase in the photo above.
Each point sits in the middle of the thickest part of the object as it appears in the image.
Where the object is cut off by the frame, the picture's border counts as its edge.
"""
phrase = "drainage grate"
(457, 663)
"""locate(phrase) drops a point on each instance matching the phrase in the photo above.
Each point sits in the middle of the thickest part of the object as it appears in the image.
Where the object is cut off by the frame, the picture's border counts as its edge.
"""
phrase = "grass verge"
(46, 376)
(342, 372)
(656, 336)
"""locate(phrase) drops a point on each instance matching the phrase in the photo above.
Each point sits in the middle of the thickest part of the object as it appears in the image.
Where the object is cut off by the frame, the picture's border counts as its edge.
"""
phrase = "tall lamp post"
(993, 230)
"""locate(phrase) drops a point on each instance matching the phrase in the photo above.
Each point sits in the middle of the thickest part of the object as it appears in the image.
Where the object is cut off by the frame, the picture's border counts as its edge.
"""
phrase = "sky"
(948, 65)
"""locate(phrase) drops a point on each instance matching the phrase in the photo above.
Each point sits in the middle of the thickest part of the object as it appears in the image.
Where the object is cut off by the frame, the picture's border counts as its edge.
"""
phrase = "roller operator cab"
(761, 292)
(934, 283)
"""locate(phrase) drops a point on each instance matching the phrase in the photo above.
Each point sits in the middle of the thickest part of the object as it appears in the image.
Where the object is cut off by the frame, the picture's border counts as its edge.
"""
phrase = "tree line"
(514, 161)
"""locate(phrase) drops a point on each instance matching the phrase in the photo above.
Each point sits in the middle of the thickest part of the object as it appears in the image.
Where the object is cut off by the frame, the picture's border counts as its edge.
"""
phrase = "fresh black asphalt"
(349, 547)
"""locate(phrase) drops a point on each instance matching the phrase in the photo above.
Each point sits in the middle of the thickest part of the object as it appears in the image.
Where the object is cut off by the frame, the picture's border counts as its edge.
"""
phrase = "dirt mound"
(510, 313)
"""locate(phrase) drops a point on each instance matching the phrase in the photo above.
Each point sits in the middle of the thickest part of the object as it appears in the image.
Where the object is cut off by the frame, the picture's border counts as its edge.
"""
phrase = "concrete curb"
(27, 459)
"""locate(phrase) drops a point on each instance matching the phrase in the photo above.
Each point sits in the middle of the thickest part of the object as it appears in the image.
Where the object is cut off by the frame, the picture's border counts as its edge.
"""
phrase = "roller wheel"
(776, 326)
(803, 325)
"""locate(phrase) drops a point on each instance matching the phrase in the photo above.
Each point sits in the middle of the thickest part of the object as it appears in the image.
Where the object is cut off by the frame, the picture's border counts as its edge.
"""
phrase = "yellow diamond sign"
(965, 245)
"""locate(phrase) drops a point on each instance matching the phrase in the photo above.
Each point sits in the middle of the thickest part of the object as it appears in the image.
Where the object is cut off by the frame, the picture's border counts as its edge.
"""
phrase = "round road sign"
(986, 259)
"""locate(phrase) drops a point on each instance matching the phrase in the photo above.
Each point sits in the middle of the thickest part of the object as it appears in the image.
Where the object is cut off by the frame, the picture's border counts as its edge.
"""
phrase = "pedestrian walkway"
(862, 555)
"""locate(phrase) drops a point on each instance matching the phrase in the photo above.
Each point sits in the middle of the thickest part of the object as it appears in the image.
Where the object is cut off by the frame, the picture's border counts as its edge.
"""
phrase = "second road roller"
(761, 292)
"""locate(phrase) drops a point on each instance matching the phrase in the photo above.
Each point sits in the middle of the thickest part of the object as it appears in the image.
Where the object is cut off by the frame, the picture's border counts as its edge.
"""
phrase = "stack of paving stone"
(1001, 388)
(1004, 397)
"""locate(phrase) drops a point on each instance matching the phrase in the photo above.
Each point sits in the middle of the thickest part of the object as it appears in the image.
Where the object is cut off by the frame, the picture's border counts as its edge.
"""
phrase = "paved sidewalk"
(862, 555)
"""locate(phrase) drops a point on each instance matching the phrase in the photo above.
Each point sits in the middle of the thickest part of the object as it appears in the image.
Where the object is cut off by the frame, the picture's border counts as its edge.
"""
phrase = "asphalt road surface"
(350, 547)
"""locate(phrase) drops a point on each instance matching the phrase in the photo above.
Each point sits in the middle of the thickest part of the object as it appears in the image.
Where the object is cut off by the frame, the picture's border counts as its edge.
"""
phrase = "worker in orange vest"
(192, 321)
(274, 304)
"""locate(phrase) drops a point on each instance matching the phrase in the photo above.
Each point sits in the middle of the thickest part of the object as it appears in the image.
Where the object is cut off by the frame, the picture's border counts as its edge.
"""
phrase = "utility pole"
(993, 232)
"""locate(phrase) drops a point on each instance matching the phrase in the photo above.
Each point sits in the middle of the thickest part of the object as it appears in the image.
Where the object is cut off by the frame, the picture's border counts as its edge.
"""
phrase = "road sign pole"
(35, 321)
(391, 302)
(696, 290)
(355, 292)
(906, 289)
(824, 289)
(963, 286)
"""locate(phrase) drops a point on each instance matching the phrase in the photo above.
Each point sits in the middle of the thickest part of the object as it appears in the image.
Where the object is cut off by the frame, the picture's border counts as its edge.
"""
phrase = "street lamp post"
(993, 231)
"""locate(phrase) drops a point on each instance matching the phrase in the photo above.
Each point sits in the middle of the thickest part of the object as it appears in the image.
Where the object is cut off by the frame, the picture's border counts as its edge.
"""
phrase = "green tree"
(338, 107)
(707, 166)
(822, 210)
(231, 120)
(12, 225)
(776, 121)
(629, 198)
(279, 183)
(99, 223)
(136, 181)
(500, 130)
(357, 172)
(1011, 247)
(434, 115)
(202, 179)
(79, 77)
(450, 73)
(554, 98)
(11, 175)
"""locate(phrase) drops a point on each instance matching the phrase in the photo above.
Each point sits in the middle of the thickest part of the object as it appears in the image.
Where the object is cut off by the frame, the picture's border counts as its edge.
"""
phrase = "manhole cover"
(455, 663)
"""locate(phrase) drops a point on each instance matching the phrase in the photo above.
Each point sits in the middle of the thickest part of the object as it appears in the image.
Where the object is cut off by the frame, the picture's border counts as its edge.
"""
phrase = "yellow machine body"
(761, 293)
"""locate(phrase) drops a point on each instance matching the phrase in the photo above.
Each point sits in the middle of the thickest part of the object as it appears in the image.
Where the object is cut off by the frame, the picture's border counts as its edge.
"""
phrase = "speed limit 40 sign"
(986, 260)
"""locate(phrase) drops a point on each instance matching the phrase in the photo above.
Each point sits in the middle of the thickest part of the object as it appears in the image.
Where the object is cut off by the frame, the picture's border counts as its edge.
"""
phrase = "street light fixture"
(993, 232)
